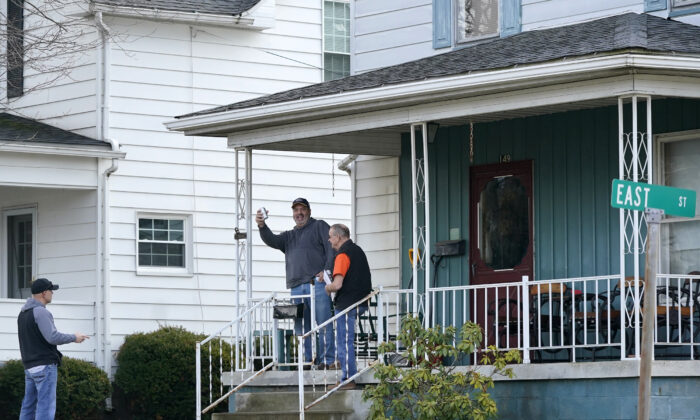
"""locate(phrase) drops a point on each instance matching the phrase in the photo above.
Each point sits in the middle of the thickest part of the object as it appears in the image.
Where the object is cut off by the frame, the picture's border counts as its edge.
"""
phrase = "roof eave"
(63, 150)
(431, 90)
(241, 21)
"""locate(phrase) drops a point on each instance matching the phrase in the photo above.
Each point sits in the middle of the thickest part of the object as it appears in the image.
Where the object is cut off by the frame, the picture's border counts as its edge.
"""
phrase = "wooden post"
(653, 218)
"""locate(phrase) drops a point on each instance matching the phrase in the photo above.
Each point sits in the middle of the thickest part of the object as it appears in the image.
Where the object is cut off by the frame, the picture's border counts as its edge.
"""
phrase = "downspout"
(103, 132)
(344, 165)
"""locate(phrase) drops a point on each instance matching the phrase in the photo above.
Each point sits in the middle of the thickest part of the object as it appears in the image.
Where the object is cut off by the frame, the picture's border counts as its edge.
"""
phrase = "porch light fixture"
(432, 131)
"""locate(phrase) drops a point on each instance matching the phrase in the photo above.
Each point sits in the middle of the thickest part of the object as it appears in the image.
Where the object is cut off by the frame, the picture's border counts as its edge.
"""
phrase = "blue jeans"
(346, 340)
(39, 394)
(326, 344)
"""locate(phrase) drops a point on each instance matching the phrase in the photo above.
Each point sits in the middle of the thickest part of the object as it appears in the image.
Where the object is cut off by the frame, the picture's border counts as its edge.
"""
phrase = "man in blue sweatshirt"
(307, 254)
(38, 339)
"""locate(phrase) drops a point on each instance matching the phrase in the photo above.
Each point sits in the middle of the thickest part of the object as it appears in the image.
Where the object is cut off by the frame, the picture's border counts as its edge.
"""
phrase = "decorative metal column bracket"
(635, 164)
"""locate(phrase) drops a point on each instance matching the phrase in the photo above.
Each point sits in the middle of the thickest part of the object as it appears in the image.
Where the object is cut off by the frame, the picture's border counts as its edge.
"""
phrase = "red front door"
(501, 241)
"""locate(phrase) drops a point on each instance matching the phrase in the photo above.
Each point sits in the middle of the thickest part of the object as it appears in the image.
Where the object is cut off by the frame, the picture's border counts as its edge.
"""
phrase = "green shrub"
(80, 392)
(432, 388)
(157, 373)
(11, 388)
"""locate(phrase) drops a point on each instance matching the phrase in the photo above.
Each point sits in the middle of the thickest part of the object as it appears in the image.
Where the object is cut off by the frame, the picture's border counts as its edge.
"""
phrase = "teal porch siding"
(575, 158)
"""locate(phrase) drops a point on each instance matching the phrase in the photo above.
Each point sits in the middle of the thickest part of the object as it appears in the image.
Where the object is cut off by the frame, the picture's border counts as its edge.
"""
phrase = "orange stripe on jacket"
(342, 264)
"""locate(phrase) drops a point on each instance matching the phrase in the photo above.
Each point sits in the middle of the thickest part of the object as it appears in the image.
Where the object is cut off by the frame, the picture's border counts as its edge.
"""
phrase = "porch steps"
(283, 405)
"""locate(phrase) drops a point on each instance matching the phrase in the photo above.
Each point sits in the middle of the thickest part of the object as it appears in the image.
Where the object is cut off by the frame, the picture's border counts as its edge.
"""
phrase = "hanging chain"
(471, 142)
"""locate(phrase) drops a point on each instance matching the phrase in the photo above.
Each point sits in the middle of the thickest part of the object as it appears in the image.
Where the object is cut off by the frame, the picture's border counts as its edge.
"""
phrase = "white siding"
(69, 317)
(66, 231)
(391, 32)
(33, 170)
(537, 14)
(161, 70)
(377, 216)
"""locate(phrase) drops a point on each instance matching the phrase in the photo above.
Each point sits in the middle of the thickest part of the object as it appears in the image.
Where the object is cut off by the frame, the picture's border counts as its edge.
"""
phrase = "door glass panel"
(679, 235)
(19, 255)
(503, 220)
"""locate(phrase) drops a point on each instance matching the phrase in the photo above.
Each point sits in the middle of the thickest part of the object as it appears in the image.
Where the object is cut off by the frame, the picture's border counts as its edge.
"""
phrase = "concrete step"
(286, 415)
(282, 403)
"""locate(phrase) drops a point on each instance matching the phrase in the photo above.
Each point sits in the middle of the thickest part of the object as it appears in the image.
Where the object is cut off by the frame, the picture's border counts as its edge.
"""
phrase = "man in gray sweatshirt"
(307, 254)
(38, 339)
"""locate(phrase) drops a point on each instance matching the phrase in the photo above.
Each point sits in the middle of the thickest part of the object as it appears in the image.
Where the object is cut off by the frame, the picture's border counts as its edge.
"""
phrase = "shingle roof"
(23, 130)
(216, 7)
(622, 32)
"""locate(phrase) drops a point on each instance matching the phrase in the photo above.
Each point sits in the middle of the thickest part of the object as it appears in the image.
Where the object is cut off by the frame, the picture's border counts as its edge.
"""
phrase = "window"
(682, 3)
(336, 40)
(163, 244)
(476, 19)
(678, 155)
(15, 48)
(20, 252)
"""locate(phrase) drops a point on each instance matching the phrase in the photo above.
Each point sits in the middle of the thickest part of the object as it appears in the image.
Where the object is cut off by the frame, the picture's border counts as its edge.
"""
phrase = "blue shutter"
(442, 23)
(654, 5)
(510, 17)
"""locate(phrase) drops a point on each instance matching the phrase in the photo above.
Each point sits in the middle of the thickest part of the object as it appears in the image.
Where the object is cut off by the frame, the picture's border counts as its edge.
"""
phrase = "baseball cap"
(301, 201)
(41, 285)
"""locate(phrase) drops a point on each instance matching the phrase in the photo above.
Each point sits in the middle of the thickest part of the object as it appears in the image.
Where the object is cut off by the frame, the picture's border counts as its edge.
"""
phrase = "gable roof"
(215, 7)
(21, 130)
(631, 31)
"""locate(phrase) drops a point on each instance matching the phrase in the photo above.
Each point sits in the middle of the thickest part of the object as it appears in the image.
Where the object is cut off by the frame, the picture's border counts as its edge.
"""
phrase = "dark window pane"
(504, 223)
(145, 234)
(160, 224)
(160, 260)
(176, 236)
(175, 224)
(175, 261)
(160, 235)
(145, 248)
(144, 259)
(145, 223)
(160, 248)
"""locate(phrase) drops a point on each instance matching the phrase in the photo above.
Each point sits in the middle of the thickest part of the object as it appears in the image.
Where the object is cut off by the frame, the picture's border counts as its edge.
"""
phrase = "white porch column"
(243, 237)
(420, 192)
(635, 164)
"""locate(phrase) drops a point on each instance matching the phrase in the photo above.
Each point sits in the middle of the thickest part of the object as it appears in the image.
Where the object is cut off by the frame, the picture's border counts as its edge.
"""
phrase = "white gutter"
(423, 91)
(18, 147)
(176, 16)
(345, 165)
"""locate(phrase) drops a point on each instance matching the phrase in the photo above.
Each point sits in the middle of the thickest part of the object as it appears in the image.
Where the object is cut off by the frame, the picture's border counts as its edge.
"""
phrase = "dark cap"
(42, 285)
(301, 201)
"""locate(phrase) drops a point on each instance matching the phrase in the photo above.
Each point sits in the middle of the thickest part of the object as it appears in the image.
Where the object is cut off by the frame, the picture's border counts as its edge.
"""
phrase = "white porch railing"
(572, 319)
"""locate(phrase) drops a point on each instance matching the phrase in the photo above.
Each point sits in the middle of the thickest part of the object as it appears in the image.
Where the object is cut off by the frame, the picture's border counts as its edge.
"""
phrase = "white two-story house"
(136, 223)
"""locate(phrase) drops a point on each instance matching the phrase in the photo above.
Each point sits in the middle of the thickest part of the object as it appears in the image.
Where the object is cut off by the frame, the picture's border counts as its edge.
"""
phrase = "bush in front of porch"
(81, 389)
(430, 387)
(157, 372)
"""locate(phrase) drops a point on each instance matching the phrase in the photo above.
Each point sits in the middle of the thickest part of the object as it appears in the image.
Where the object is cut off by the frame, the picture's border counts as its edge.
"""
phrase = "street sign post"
(654, 200)
(640, 196)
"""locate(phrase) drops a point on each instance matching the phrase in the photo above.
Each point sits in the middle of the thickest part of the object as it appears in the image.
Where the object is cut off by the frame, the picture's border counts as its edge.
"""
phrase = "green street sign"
(639, 196)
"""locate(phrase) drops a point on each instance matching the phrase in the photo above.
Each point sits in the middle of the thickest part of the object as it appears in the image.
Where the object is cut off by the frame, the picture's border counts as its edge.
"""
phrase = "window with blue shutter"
(654, 5)
(510, 17)
(442, 23)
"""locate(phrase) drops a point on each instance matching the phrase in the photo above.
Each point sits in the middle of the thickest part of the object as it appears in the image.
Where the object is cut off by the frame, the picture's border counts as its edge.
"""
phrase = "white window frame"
(456, 30)
(684, 3)
(14, 211)
(659, 158)
(323, 37)
(185, 271)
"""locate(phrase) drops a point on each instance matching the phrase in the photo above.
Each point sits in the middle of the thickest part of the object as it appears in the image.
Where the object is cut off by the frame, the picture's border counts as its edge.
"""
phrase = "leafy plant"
(81, 389)
(157, 372)
(433, 387)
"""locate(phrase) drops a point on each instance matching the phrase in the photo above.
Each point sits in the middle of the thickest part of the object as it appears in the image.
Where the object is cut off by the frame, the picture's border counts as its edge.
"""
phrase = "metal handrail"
(302, 407)
(238, 318)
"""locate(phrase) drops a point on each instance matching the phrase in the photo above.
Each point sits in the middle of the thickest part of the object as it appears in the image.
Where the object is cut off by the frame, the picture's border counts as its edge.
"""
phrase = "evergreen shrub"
(157, 373)
(81, 389)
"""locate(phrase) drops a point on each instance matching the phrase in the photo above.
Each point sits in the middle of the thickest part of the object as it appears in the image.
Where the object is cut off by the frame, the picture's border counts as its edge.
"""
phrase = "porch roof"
(216, 7)
(570, 67)
(19, 134)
